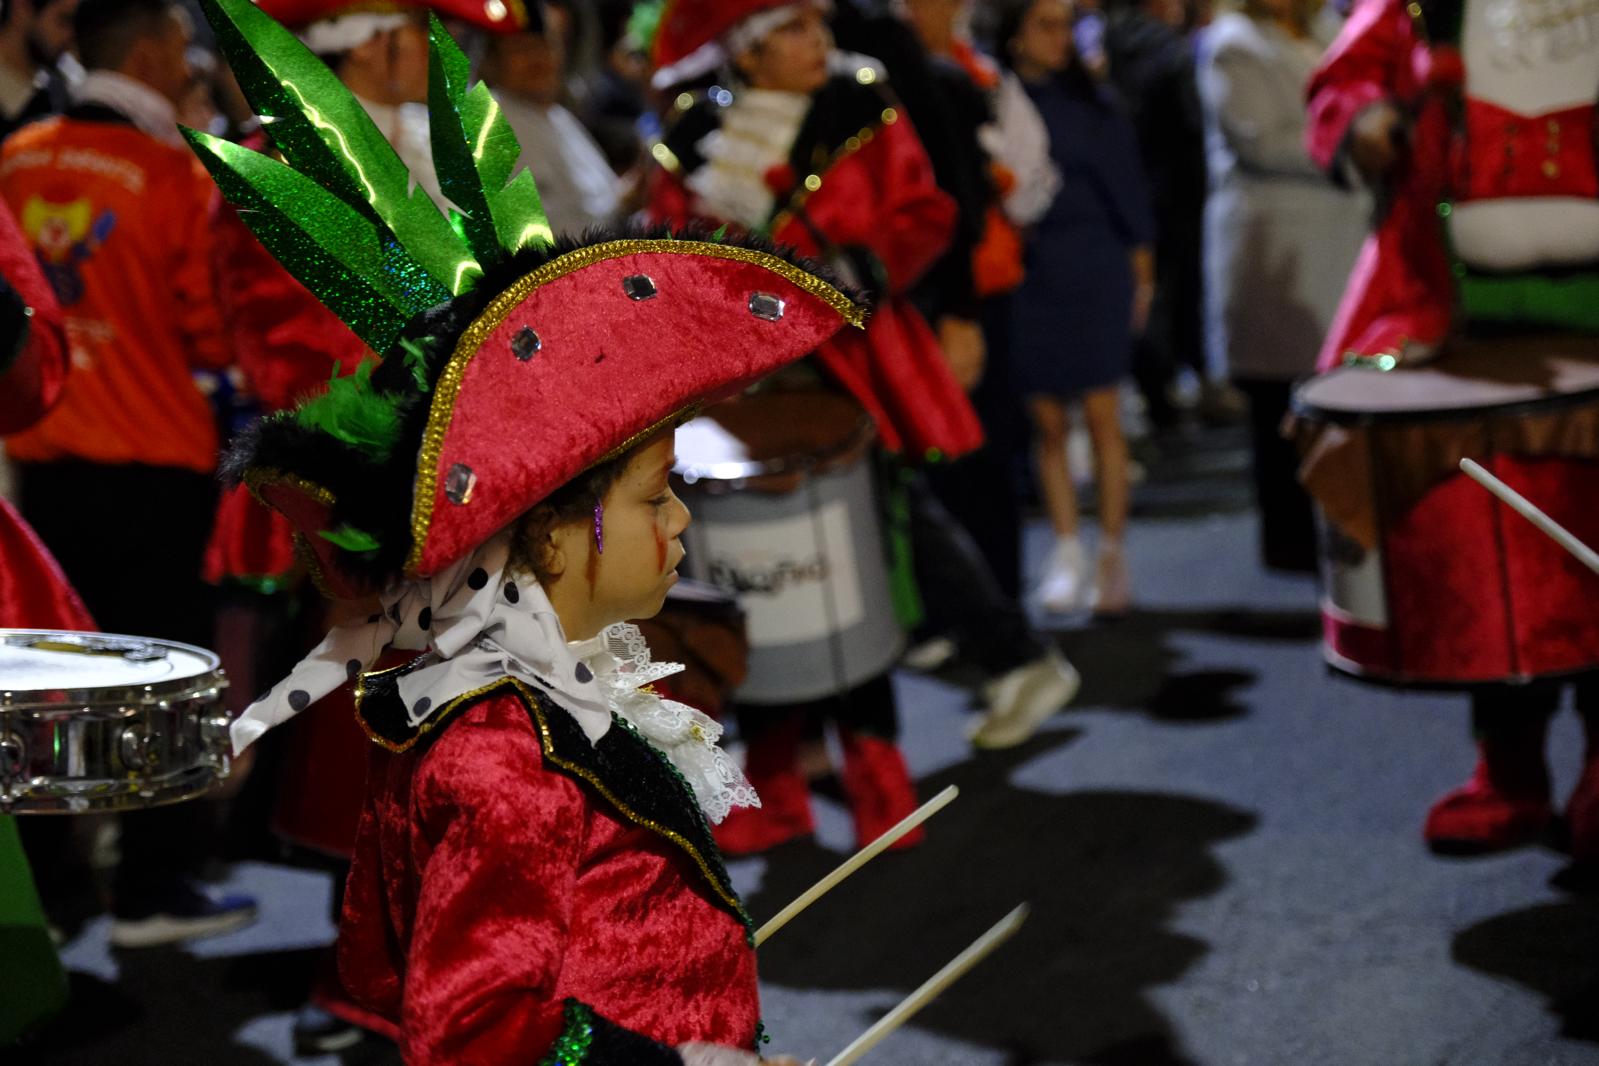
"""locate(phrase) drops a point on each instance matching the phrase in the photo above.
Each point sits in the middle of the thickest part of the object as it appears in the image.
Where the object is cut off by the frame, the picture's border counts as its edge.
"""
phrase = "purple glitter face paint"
(599, 528)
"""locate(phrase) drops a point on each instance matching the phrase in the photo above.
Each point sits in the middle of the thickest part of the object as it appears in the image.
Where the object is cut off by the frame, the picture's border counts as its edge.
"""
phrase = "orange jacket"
(119, 223)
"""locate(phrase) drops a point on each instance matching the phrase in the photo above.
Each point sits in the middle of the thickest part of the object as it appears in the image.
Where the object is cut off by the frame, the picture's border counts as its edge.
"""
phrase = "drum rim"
(189, 782)
(1509, 408)
(140, 695)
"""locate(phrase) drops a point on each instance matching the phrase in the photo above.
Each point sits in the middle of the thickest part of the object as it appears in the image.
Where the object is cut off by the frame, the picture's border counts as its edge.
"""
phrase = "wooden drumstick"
(930, 989)
(855, 862)
(1519, 503)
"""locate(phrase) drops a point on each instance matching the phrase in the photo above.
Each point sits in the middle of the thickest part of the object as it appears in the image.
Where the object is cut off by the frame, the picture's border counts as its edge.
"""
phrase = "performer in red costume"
(534, 876)
(34, 593)
(810, 147)
(1475, 119)
(288, 345)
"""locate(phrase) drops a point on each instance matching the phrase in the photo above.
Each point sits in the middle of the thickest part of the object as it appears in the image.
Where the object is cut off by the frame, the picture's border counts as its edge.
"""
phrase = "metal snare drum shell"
(104, 722)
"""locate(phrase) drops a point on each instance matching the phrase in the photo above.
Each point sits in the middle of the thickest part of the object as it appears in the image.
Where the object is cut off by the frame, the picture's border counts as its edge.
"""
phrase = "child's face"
(642, 521)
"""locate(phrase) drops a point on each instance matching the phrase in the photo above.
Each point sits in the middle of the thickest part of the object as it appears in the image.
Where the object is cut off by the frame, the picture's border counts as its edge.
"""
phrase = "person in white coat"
(1279, 240)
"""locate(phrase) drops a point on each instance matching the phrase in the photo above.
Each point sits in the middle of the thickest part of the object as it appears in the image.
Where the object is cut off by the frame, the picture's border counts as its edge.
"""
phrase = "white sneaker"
(1065, 587)
(930, 655)
(1022, 700)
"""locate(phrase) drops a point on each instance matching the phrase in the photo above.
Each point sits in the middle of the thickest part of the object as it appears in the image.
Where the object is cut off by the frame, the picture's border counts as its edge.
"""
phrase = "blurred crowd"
(1084, 225)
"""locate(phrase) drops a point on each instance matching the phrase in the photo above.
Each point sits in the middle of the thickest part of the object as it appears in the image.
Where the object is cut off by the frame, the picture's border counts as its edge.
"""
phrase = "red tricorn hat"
(589, 352)
(586, 350)
(687, 26)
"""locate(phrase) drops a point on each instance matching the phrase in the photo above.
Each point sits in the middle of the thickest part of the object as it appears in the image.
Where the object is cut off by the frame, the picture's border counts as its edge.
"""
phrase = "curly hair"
(572, 502)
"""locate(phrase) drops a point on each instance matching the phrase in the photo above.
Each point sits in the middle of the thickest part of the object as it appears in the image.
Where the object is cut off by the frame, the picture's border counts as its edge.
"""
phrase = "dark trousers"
(982, 491)
(870, 707)
(1287, 520)
(131, 539)
(960, 594)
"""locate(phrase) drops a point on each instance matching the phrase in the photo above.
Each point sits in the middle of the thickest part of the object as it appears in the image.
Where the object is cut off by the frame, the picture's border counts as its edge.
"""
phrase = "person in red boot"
(823, 160)
(534, 875)
(1474, 121)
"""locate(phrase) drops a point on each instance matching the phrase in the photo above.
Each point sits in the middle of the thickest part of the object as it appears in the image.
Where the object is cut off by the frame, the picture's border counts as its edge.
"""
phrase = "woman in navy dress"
(1090, 279)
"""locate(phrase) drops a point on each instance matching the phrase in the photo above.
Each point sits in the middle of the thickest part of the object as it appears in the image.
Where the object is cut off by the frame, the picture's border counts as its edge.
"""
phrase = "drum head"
(1471, 378)
(38, 662)
(102, 722)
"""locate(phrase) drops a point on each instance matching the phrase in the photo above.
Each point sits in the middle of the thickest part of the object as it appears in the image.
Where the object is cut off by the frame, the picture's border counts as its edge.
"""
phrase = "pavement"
(1219, 840)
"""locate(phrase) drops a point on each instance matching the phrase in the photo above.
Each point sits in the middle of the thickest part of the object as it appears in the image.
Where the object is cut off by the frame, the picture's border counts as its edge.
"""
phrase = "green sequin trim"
(571, 1048)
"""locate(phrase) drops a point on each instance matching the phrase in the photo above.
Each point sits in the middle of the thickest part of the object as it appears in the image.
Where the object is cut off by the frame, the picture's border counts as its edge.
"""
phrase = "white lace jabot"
(623, 672)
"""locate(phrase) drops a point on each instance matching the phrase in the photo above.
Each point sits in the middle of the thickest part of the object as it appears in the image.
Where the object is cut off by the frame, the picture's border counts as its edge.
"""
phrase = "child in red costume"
(825, 161)
(534, 877)
(1475, 120)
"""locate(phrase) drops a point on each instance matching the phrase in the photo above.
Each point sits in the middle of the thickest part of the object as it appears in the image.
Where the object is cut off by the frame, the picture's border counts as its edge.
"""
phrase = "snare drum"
(1428, 578)
(786, 518)
(98, 722)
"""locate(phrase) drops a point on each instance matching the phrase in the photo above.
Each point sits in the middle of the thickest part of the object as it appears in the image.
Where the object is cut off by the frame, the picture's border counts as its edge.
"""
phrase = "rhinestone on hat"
(639, 287)
(459, 483)
(765, 306)
(526, 343)
(495, 10)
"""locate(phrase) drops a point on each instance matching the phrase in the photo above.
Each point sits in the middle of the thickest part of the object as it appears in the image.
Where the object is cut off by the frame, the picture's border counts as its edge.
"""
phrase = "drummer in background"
(1517, 249)
(810, 147)
(118, 480)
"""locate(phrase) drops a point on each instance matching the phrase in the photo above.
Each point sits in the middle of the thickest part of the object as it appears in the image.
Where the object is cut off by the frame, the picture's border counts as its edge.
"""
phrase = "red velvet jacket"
(34, 594)
(518, 891)
(1401, 290)
(858, 187)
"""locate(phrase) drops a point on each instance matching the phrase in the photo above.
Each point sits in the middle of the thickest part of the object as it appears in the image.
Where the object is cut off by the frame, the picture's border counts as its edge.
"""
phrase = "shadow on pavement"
(1552, 949)
(1137, 668)
(169, 1006)
(1104, 871)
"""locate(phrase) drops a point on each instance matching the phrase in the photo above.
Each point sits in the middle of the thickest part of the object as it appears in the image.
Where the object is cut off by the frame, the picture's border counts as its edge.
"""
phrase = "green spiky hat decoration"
(510, 362)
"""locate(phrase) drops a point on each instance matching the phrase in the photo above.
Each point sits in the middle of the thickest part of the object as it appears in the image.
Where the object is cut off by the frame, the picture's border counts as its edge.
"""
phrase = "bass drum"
(100, 722)
(1429, 579)
(786, 518)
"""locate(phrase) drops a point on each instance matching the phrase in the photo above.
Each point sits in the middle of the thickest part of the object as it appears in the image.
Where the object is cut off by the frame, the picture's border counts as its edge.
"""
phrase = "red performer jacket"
(858, 188)
(521, 895)
(34, 593)
(1405, 289)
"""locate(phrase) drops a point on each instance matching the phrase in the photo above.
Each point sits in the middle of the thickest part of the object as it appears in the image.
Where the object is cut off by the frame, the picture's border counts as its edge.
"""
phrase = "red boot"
(879, 788)
(1506, 802)
(772, 766)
